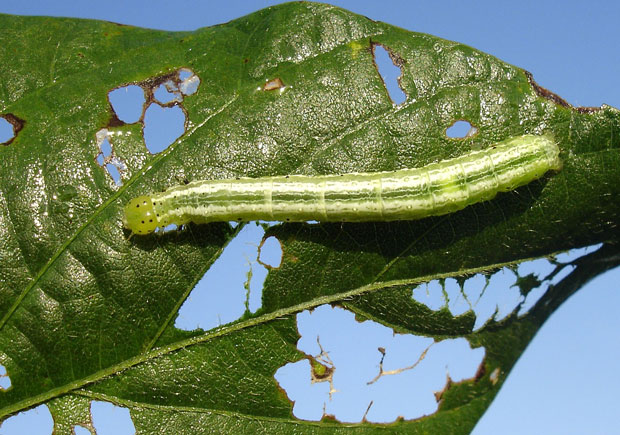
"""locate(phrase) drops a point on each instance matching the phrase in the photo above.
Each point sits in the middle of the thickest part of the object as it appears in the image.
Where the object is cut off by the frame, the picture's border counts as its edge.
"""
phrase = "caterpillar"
(407, 194)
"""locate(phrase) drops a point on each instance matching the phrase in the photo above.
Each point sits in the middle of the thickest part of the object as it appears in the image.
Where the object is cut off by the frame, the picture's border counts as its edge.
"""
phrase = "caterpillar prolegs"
(406, 194)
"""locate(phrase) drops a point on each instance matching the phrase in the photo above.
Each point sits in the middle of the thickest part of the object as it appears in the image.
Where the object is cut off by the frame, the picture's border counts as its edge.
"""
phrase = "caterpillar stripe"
(432, 190)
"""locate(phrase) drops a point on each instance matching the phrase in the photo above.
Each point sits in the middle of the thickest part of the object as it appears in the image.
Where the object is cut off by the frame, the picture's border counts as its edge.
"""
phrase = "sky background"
(566, 382)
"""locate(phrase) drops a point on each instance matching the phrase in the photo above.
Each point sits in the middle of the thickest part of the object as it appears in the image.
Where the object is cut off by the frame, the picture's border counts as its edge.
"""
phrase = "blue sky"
(566, 381)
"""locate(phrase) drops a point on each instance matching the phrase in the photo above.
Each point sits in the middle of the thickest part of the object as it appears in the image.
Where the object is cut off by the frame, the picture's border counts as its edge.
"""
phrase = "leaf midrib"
(63, 247)
(223, 331)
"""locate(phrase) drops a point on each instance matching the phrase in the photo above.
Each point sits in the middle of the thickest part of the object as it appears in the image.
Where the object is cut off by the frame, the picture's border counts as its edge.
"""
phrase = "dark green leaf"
(87, 312)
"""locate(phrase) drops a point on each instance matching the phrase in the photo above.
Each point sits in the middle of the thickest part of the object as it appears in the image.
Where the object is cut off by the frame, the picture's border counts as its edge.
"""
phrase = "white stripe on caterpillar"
(432, 190)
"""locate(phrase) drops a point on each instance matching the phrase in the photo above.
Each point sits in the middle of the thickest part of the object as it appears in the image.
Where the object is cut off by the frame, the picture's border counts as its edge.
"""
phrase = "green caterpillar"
(432, 190)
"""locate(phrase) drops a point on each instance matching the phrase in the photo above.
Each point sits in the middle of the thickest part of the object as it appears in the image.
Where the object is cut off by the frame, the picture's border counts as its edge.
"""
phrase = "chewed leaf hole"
(507, 292)
(10, 126)
(109, 418)
(106, 158)
(363, 371)
(270, 252)
(189, 81)
(114, 173)
(162, 126)
(24, 422)
(389, 72)
(81, 430)
(231, 287)
(494, 298)
(5, 381)
(168, 92)
(461, 129)
(157, 104)
(106, 148)
(6, 131)
(127, 102)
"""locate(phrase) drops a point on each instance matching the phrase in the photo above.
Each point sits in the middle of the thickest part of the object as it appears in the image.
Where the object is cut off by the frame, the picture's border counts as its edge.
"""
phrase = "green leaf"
(88, 313)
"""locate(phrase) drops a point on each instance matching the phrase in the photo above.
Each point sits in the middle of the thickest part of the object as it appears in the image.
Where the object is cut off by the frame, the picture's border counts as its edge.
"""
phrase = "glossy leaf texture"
(88, 312)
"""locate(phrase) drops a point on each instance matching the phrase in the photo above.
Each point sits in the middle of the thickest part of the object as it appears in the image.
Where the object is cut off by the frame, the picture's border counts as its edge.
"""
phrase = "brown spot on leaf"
(274, 84)
(114, 121)
(480, 372)
(494, 376)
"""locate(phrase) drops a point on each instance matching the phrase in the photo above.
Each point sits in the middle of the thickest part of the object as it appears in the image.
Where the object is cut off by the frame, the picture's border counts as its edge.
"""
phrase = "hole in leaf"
(189, 82)
(5, 381)
(371, 372)
(457, 301)
(496, 296)
(81, 430)
(106, 158)
(508, 300)
(430, 294)
(232, 285)
(23, 423)
(389, 72)
(167, 92)
(127, 102)
(162, 126)
(501, 294)
(106, 148)
(460, 130)
(270, 252)
(185, 74)
(111, 419)
(6, 131)
(527, 272)
(114, 173)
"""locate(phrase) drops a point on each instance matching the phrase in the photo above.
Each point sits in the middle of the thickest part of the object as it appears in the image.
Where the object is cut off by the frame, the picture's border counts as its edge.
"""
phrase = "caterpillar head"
(139, 216)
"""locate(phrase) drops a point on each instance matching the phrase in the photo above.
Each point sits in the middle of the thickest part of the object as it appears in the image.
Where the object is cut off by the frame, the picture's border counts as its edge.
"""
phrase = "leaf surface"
(86, 311)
